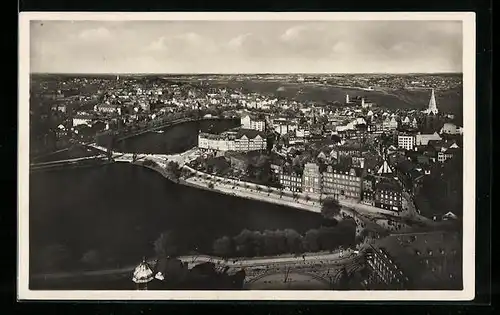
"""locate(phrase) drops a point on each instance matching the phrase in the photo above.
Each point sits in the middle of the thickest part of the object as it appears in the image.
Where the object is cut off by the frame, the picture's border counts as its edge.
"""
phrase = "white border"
(469, 106)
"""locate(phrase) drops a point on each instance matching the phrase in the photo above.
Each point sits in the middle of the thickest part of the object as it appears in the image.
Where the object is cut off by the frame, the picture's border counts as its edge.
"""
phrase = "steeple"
(385, 168)
(432, 104)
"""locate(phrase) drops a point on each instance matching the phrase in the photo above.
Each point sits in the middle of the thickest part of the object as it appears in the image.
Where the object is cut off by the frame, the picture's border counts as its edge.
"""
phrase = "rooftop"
(430, 260)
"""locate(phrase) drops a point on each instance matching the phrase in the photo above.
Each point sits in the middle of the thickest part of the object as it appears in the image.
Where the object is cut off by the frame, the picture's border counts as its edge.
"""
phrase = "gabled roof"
(385, 168)
(249, 133)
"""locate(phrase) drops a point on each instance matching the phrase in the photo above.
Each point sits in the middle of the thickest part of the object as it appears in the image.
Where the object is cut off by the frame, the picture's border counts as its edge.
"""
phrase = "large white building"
(243, 140)
(450, 128)
(284, 125)
(248, 123)
(423, 139)
(107, 108)
(406, 142)
(82, 119)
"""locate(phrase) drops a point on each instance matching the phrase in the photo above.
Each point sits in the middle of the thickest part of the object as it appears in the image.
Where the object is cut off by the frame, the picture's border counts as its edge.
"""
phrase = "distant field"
(448, 101)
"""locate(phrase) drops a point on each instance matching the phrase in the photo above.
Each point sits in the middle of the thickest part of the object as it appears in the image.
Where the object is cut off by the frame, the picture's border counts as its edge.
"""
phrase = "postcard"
(246, 156)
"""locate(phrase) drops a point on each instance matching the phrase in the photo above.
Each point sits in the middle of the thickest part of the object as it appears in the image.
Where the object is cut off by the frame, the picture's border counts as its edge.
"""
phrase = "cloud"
(158, 44)
(249, 45)
(183, 45)
(100, 33)
(342, 47)
(239, 41)
(242, 46)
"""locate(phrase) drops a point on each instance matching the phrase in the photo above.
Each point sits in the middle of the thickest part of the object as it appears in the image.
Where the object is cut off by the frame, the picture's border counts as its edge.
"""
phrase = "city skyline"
(233, 47)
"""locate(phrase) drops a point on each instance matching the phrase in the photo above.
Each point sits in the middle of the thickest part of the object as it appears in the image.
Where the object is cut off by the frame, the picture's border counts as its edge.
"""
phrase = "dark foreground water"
(109, 216)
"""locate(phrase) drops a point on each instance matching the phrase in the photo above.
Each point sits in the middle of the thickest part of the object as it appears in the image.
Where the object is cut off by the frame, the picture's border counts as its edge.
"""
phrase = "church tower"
(432, 104)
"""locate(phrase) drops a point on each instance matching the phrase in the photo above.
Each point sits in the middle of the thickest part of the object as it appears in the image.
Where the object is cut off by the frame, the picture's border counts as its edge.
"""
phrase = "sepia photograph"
(247, 156)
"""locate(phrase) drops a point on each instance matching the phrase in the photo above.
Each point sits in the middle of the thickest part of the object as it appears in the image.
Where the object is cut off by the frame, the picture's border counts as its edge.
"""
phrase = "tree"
(311, 241)
(185, 173)
(167, 245)
(270, 242)
(173, 170)
(293, 241)
(223, 247)
(244, 243)
(251, 170)
(330, 207)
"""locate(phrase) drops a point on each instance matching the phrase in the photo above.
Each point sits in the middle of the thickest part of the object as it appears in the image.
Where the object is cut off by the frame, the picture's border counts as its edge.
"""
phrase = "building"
(356, 149)
(243, 140)
(368, 190)
(450, 129)
(290, 180)
(419, 261)
(446, 153)
(342, 182)
(214, 142)
(389, 124)
(284, 126)
(366, 104)
(143, 274)
(406, 142)
(248, 122)
(311, 179)
(358, 161)
(107, 108)
(63, 108)
(423, 139)
(388, 196)
(82, 119)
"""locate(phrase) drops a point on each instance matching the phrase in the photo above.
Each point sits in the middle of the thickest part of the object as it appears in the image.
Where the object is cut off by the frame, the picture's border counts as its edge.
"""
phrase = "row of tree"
(288, 241)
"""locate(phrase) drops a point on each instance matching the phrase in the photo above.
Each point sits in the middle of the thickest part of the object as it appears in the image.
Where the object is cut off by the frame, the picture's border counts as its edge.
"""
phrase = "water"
(176, 139)
(119, 210)
(109, 216)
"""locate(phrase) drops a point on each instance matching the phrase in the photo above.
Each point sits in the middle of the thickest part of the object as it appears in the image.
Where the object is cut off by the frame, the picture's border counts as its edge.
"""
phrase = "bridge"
(255, 268)
(326, 269)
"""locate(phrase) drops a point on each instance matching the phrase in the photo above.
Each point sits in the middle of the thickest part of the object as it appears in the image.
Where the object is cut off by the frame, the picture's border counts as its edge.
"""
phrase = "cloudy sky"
(245, 46)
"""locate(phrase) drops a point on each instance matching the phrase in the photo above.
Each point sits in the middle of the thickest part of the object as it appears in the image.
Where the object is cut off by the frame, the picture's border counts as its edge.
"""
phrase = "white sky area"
(245, 46)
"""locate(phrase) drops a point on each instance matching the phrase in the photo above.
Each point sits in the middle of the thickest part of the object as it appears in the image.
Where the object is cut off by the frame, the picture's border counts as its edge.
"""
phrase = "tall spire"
(432, 104)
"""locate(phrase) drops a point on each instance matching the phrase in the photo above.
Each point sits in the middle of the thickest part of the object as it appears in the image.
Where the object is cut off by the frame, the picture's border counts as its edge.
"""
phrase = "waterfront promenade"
(248, 190)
